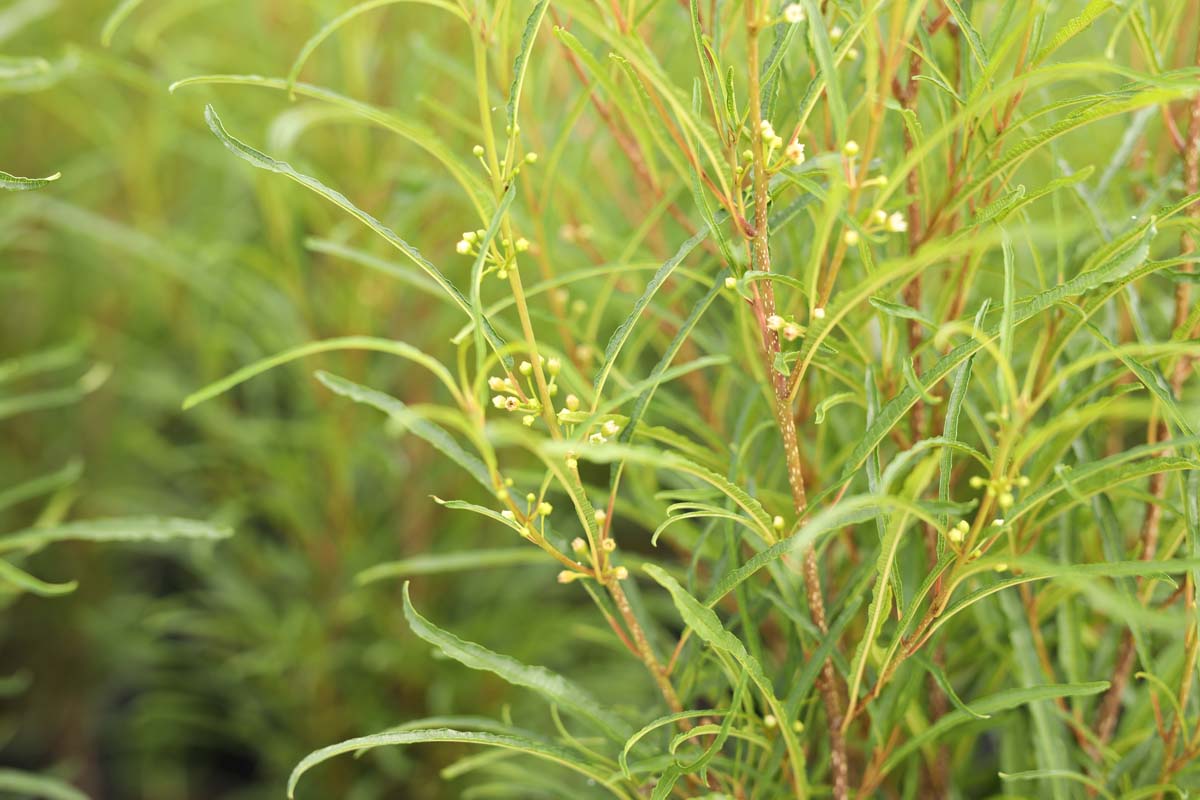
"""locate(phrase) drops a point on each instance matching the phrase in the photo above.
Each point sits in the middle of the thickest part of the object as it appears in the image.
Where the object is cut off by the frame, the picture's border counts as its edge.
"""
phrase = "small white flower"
(621, 573)
(850, 237)
(463, 247)
(818, 313)
(896, 223)
(531, 158)
(597, 438)
(835, 33)
(850, 149)
(794, 13)
(525, 368)
(792, 331)
(879, 216)
(578, 545)
(522, 244)
(572, 403)
(512, 403)
(497, 384)
(731, 282)
(775, 322)
(600, 516)
(795, 153)
(610, 428)
(777, 523)
(499, 400)
(507, 514)
(553, 366)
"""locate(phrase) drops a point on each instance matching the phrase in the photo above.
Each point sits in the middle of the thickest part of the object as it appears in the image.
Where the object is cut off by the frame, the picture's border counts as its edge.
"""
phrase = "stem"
(643, 645)
(765, 307)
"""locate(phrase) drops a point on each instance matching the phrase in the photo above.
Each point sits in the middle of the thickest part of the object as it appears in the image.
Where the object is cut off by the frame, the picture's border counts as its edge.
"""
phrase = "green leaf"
(265, 162)
(117, 529)
(849, 511)
(395, 348)
(625, 329)
(118, 16)
(1110, 264)
(553, 687)
(30, 784)
(704, 621)
(331, 27)
(829, 402)
(902, 311)
(818, 41)
(420, 135)
(43, 484)
(1073, 28)
(532, 24)
(14, 184)
(532, 747)
(974, 42)
(22, 581)
(440, 563)
(992, 704)
(427, 430)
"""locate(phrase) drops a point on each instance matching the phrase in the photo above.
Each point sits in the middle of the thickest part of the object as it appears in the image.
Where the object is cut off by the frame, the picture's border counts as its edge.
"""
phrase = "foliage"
(837, 356)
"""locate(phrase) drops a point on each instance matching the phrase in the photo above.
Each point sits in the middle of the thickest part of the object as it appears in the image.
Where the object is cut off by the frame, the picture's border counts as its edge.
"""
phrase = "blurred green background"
(159, 263)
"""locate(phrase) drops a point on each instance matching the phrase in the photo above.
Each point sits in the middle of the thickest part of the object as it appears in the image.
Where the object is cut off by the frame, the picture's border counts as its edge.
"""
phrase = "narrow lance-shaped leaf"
(1119, 262)
(30, 784)
(441, 563)
(990, 705)
(553, 687)
(119, 529)
(15, 578)
(335, 24)
(538, 749)
(708, 627)
(265, 162)
(389, 346)
(623, 331)
(429, 431)
(15, 184)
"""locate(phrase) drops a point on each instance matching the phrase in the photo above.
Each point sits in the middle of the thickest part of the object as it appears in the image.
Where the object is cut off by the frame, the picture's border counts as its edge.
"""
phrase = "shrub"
(838, 353)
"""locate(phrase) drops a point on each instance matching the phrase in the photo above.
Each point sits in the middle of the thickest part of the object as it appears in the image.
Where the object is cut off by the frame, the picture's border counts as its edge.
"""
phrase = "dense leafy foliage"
(837, 357)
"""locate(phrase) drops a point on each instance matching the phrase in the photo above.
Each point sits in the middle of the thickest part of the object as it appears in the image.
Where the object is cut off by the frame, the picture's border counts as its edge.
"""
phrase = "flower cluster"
(1000, 488)
(498, 260)
(529, 158)
(892, 223)
(787, 328)
(510, 396)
